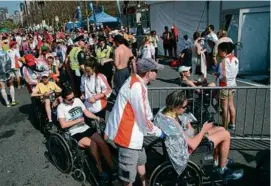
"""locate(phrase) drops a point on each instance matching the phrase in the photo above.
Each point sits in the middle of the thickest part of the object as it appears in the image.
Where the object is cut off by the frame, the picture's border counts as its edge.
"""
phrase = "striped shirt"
(130, 118)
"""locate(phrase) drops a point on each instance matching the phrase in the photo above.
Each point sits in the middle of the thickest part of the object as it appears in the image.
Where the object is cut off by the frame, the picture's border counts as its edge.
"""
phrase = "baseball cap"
(30, 60)
(44, 48)
(183, 69)
(148, 64)
(45, 74)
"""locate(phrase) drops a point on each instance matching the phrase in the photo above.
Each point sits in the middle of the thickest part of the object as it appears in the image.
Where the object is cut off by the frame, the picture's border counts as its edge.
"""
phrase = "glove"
(162, 136)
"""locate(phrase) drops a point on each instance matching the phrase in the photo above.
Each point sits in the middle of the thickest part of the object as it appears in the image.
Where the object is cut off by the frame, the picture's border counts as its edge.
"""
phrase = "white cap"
(183, 69)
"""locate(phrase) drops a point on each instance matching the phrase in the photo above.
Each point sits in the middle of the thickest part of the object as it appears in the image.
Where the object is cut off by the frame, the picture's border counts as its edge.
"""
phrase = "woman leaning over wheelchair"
(168, 120)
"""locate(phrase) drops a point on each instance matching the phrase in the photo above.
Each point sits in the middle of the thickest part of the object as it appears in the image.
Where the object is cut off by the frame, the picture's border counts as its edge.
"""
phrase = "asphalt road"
(22, 148)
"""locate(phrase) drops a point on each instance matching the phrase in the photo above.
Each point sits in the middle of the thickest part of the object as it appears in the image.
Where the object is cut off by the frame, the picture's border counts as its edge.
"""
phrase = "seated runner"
(70, 114)
(95, 89)
(180, 144)
(187, 82)
(46, 90)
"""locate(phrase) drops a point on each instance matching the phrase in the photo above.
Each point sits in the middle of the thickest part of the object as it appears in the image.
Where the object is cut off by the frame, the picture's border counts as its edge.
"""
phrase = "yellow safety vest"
(74, 63)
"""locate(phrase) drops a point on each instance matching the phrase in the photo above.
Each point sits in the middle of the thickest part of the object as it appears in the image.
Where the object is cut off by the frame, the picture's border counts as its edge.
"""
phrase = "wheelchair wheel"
(40, 118)
(60, 153)
(165, 175)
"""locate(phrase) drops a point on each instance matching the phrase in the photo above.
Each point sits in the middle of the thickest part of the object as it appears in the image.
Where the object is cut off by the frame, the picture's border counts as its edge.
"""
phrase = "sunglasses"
(69, 100)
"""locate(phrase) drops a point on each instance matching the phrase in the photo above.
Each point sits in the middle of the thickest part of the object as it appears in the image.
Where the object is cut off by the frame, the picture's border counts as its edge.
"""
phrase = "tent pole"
(220, 14)
(208, 18)
(87, 15)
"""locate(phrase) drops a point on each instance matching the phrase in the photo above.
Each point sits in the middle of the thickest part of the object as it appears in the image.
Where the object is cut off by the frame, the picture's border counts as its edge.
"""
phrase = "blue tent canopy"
(103, 17)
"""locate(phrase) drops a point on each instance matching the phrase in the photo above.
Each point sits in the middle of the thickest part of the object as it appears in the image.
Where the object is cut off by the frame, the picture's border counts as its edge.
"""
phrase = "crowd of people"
(76, 73)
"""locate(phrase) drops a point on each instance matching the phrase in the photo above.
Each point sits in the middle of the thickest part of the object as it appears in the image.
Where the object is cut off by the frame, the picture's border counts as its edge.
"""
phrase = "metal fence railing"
(252, 107)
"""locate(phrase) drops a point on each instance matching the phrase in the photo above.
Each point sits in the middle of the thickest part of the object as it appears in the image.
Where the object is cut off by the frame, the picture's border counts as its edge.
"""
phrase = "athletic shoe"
(231, 127)
(8, 105)
(229, 162)
(230, 174)
(14, 103)
(49, 125)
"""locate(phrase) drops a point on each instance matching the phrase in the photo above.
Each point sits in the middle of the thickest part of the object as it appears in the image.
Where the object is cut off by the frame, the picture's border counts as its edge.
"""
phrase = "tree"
(8, 24)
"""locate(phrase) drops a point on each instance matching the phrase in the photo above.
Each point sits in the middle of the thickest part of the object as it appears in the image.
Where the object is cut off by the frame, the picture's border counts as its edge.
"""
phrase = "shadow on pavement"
(172, 81)
(252, 177)
(28, 110)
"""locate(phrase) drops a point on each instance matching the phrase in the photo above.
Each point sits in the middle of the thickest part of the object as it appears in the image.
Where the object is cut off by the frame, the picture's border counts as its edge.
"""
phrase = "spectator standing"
(122, 55)
(211, 38)
(166, 42)
(227, 72)
(130, 121)
(198, 57)
(154, 40)
(222, 37)
(15, 58)
(147, 49)
(173, 43)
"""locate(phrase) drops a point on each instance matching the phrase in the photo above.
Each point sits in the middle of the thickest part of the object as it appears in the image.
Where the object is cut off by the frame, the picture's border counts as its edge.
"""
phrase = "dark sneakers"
(231, 174)
(14, 103)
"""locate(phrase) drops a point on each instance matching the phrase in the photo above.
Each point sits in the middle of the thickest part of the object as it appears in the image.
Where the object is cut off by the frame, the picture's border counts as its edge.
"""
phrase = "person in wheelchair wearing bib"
(70, 114)
(47, 91)
(177, 136)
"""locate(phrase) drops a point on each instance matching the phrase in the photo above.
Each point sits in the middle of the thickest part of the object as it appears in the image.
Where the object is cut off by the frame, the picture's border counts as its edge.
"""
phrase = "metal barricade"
(252, 107)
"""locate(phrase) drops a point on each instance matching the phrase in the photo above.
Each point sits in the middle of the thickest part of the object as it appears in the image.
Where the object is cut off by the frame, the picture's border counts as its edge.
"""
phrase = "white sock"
(4, 95)
(12, 93)
(223, 169)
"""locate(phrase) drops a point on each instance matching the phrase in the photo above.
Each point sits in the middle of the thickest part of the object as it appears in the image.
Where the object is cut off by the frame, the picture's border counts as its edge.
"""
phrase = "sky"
(11, 5)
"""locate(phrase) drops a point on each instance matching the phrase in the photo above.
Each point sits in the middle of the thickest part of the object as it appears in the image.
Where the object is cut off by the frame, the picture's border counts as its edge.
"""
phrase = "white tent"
(243, 19)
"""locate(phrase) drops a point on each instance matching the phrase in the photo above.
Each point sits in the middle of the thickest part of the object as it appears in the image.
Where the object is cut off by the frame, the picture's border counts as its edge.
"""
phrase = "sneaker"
(230, 174)
(8, 105)
(229, 162)
(14, 103)
(49, 125)
(231, 127)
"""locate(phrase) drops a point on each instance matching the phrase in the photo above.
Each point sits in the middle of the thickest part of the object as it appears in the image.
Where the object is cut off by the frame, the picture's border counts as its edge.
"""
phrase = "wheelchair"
(40, 114)
(69, 158)
(66, 155)
(199, 169)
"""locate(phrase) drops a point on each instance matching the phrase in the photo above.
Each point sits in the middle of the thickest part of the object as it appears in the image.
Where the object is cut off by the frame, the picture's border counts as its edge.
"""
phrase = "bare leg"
(221, 138)
(224, 107)
(104, 148)
(4, 93)
(142, 174)
(87, 142)
(18, 81)
(232, 109)
(48, 109)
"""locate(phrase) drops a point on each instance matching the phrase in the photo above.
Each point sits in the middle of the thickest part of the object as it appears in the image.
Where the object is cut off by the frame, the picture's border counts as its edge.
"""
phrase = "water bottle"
(52, 95)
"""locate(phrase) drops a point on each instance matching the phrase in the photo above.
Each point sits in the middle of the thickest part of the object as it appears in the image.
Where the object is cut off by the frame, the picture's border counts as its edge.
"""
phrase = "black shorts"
(88, 133)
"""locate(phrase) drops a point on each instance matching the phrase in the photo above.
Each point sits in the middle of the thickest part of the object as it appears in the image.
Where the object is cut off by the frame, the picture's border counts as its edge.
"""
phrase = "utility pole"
(86, 5)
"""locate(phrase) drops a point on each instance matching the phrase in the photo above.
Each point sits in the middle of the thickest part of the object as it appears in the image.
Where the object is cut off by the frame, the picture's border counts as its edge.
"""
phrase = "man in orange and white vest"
(130, 121)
